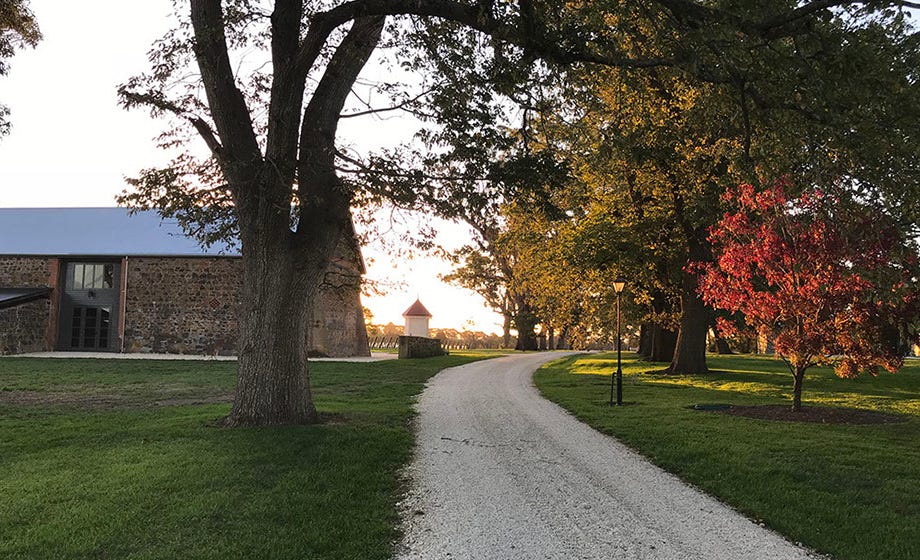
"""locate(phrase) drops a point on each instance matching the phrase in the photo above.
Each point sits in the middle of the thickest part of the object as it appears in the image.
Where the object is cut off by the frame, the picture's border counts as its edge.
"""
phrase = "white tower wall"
(416, 326)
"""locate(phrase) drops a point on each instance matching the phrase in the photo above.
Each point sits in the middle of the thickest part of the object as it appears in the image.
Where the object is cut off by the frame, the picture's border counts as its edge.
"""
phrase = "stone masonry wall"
(182, 305)
(185, 305)
(337, 327)
(27, 272)
(25, 328)
(190, 306)
(419, 347)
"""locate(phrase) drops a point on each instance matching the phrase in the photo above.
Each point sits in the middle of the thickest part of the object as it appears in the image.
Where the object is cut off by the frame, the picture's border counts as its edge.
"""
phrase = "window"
(90, 327)
(92, 276)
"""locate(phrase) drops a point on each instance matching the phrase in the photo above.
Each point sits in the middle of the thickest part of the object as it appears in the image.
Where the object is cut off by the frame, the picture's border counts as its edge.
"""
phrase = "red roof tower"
(417, 310)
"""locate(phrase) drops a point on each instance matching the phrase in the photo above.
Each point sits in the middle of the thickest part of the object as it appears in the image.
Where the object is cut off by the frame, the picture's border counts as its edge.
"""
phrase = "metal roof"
(11, 297)
(417, 310)
(96, 232)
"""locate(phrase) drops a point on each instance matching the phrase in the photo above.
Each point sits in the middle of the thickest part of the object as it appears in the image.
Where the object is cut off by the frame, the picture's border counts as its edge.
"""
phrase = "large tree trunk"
(695, 317)
(506, 330)
(525, 322)
(798, 378)
(690, 351)
(663, 342)
(273, 382)
(282, 267)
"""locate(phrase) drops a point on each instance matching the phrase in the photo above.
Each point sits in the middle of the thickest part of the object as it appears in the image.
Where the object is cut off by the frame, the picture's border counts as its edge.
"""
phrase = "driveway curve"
(500, 472)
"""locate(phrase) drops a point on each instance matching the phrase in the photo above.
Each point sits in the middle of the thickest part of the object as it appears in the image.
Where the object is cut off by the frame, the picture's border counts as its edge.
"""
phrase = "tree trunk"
(551, 339)
(506, 330)
(645, 340)
(797, 379)
(663, 342)
(562, 343)
(273, 381)
(690, 351)
(695, 317)
(525, 322)
(722, 347)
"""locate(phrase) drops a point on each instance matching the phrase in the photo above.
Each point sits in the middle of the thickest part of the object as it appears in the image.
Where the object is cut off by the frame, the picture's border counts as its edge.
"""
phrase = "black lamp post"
(618, 286)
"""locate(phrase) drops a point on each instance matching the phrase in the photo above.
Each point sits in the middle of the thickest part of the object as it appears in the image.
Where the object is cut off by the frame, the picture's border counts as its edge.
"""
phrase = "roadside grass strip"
(122, 459)
(848, 490)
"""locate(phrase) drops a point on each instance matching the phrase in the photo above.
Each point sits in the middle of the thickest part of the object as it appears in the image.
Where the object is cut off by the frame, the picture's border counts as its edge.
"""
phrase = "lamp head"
(619, 284)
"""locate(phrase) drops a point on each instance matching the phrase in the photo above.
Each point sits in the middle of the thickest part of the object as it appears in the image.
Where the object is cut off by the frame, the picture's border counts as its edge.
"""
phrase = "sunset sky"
(72, 145)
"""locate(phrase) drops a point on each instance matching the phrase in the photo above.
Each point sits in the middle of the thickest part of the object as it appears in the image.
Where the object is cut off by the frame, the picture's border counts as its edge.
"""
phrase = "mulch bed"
(816, 414)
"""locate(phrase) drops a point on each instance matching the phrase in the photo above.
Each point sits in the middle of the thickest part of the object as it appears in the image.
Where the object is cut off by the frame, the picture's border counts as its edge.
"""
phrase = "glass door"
(90, 327)
(89, 306)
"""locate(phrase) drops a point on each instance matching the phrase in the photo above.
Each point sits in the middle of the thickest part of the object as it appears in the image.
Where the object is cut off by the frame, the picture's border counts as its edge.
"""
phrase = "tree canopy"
(824, 276)
(18, 29)
(650, 151)
(264, 84)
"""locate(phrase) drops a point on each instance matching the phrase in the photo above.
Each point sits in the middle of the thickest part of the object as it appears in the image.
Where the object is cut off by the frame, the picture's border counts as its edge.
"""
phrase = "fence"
(384, 342)
(392, 343)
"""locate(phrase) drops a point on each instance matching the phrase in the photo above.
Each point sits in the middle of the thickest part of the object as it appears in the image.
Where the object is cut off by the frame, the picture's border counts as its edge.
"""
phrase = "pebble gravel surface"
(500, 472)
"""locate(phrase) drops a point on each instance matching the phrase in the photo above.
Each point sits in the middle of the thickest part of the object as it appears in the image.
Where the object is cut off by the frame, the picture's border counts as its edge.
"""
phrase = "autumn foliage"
(827, 278)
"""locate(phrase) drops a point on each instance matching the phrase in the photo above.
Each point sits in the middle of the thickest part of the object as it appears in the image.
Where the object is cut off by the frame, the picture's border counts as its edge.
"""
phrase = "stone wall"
(28, 327)
(190, 305)
(28, 272)
(419, 347)
(181, 305)
(337, 327)
(185, 305)
(23, 328)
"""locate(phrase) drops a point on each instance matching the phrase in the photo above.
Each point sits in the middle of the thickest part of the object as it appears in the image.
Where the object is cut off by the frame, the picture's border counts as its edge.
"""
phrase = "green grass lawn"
(852, 491)
(122, 459)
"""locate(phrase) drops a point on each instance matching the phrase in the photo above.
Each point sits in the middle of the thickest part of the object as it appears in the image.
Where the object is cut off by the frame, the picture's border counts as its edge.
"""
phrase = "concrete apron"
(374, 357)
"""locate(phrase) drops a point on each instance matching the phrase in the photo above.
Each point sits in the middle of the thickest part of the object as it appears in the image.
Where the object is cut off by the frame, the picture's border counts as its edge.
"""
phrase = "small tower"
(416, 320)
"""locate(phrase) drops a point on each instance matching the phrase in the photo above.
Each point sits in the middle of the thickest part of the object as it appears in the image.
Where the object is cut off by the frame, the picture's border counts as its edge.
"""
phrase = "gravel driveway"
(501, 472)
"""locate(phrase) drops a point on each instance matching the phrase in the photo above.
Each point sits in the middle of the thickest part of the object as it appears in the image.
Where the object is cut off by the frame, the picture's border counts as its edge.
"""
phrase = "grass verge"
(110, 459)
(852, 491)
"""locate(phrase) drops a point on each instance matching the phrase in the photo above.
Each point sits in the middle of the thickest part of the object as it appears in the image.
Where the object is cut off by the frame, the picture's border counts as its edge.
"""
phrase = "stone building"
(99, 279)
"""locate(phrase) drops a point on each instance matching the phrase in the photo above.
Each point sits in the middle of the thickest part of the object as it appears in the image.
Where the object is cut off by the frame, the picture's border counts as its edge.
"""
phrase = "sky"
(72, 145)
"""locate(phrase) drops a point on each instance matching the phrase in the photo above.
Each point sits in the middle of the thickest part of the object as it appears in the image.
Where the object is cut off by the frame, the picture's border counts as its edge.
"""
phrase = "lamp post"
(618, 286)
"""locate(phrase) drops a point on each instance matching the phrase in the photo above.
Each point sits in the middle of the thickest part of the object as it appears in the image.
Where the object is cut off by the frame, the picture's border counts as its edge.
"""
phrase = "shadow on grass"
(165, 482)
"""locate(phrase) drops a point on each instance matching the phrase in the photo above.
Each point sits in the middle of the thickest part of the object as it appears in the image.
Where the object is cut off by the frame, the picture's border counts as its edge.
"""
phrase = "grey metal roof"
(96, 232)
(11, 297)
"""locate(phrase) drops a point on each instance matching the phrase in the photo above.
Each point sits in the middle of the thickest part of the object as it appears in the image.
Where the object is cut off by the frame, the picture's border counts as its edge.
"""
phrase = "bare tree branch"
(396, 107)
(160, 102)
(817, 6)
(228, 107)
(473, 16)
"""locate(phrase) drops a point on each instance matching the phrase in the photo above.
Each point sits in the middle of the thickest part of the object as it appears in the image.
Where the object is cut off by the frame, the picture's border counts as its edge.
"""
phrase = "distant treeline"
(385, 337)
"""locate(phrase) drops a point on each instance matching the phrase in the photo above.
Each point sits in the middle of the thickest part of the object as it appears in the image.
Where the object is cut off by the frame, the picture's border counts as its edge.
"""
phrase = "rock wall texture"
(419, 347)
(28, 272)
(23, 328)
(338, 326)
(190, 306)
(26, 328)
(183, 305)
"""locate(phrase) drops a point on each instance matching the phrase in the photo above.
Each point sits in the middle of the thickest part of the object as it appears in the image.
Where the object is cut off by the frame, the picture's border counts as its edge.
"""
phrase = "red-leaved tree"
(828, 277)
